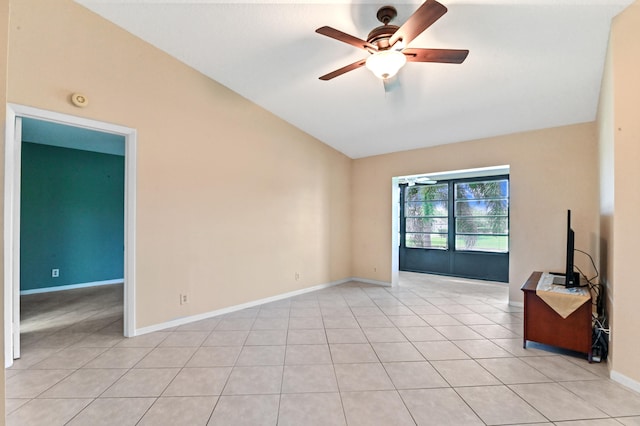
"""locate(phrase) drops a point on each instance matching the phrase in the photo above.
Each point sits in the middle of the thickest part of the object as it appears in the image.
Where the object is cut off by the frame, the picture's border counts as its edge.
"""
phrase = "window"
(426, 214)
(482, 215)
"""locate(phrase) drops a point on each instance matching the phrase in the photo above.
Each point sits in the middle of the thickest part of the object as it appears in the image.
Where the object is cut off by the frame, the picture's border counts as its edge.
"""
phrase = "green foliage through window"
(482, 215)
(426, 213)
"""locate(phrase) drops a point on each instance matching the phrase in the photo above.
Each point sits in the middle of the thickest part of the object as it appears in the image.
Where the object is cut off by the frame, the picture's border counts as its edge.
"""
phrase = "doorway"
(13, 161)
(456, 227)
(453, 223)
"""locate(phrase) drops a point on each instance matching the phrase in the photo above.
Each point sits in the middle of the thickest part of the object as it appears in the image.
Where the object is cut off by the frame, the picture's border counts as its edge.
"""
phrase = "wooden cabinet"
(544, 325)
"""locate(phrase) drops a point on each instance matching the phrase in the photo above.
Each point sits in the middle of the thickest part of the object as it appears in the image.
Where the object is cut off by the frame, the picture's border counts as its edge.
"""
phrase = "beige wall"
(4, 32)
(232, 202)
(620, 136)
(551, 171)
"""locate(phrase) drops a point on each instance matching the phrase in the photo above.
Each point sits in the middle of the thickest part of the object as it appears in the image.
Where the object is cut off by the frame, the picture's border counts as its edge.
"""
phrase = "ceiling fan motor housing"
(380, 36)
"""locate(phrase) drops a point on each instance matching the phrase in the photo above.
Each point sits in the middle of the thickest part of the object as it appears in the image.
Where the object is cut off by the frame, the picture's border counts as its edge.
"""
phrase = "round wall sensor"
(79, 100)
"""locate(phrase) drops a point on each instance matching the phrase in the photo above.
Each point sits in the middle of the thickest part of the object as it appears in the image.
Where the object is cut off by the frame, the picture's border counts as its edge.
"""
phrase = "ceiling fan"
(387, 43)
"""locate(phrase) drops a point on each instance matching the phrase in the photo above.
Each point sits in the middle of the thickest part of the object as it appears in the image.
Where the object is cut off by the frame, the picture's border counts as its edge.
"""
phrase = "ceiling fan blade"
(346, 38)
(447, 56)
(343, 70)
(423, 18)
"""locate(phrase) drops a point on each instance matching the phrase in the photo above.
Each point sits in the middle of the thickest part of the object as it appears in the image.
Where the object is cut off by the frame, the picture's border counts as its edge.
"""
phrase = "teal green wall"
(72, 216)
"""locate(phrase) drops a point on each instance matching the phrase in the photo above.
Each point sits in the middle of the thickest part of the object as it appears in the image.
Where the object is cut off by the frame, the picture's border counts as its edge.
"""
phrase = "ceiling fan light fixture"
(386, 63)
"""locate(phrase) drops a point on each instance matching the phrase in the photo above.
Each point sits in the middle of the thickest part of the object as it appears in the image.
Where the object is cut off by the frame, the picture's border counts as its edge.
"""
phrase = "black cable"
(596, 288)
(592, 263)
(600, 337)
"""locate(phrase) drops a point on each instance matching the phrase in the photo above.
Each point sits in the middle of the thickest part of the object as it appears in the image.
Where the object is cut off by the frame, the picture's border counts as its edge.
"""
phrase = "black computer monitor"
(572, 279)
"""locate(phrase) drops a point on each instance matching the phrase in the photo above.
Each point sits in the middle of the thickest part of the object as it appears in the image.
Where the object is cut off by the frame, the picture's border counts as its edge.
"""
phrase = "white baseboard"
(374, 282)
(185, 320)
(516, 304)
(625, 381)
(71, 286)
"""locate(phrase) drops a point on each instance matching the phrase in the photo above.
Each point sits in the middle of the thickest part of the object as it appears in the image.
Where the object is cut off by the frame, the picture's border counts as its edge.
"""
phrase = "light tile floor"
(433, 351)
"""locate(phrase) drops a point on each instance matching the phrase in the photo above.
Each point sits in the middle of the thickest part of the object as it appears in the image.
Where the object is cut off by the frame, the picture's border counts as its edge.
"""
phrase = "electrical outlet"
(55, 273)
(297, 276)
(184, 299)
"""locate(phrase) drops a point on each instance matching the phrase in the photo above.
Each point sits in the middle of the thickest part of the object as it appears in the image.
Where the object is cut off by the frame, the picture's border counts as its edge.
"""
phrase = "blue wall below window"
(72, 216)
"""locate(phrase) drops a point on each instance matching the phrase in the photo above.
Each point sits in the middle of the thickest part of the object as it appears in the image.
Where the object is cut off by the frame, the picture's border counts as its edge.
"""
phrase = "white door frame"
(12, 217)
(395, 232)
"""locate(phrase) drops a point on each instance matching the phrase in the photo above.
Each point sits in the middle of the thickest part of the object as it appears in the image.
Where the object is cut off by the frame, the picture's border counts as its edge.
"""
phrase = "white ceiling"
(532, 64)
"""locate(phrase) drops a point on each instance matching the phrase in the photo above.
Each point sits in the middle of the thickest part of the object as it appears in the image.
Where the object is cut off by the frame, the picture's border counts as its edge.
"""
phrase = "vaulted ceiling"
(532, 64)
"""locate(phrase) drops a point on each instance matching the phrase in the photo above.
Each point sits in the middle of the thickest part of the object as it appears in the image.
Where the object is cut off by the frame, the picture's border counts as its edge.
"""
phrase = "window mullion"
(451, 238)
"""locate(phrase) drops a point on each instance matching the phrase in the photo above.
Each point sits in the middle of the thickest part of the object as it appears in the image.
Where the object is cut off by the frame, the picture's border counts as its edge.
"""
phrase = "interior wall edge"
(202, 316)
(71, 286)
(625, 381)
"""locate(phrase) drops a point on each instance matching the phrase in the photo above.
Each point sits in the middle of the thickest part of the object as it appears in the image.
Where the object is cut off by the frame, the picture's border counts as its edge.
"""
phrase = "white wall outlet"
(184, 299)
(297, 276)
(55, 273)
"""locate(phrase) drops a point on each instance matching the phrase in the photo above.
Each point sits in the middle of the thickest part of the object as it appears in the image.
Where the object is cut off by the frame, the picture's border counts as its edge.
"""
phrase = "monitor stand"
(560, 278)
